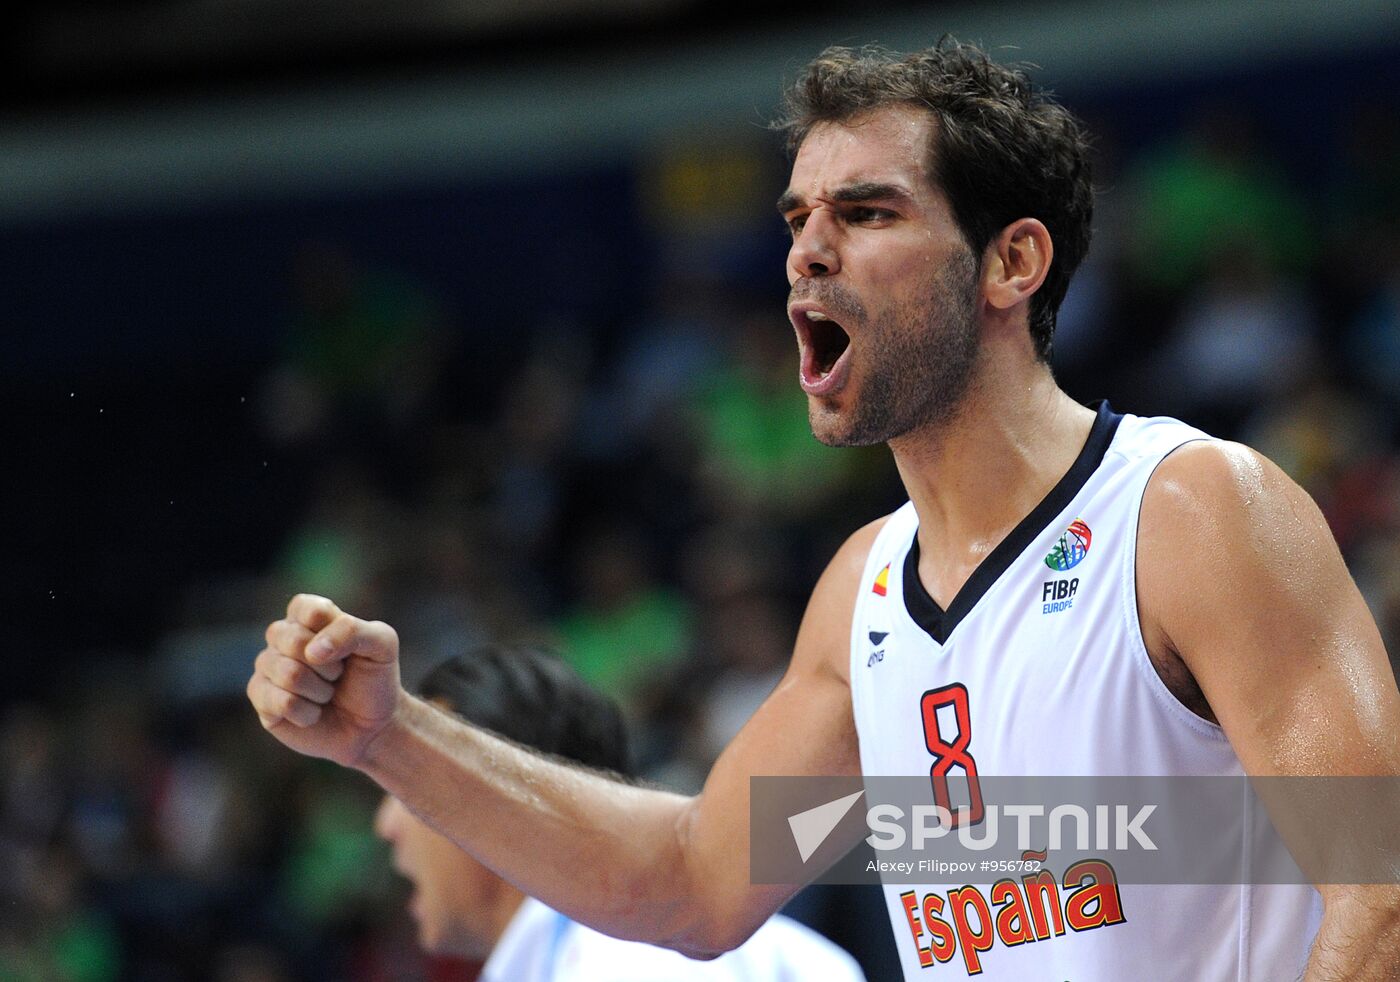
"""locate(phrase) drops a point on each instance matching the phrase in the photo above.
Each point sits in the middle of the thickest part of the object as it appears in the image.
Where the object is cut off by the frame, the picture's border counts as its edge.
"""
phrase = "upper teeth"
(817, 315)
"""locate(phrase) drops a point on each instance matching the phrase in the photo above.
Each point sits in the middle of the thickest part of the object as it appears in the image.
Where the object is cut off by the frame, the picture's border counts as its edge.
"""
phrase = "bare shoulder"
(1218, 483)
(1217, 519)
(1242, 590)
(823, 641)
(838, 584)
(1227, 512)
(849, 561)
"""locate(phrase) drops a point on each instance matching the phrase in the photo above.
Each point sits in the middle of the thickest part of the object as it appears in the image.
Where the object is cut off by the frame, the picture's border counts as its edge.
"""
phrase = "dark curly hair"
(1002, 150)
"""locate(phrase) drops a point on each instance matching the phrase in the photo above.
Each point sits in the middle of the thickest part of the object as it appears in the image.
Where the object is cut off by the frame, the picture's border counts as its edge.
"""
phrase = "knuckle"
(306, 605)
(279, 701)
(384, 634)
(387, 630)
(303, 713)
(341, 631)
(287, 673)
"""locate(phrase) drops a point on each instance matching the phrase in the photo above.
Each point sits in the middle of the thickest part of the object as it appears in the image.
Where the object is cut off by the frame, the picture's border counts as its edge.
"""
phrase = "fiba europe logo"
(1072, 547)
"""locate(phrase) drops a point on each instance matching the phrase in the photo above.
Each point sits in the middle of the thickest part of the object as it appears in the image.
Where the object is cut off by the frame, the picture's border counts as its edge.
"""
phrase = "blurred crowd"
(647, 498)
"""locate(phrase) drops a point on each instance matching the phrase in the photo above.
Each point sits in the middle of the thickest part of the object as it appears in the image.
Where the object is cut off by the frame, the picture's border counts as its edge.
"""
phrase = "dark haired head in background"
(528, 695)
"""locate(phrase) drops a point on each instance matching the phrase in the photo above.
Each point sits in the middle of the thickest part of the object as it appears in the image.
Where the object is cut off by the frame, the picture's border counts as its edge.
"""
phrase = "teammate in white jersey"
(938, 205)
(530, 696)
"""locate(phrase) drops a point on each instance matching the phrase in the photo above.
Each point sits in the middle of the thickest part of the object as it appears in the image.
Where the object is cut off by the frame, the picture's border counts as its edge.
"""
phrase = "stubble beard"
(918, 359)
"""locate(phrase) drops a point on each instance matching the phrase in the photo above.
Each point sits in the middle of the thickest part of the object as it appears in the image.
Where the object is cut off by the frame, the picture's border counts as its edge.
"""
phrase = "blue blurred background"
(470, 316)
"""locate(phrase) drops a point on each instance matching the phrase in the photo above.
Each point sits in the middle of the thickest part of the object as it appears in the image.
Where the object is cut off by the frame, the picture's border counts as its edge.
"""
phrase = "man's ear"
(1016, 263)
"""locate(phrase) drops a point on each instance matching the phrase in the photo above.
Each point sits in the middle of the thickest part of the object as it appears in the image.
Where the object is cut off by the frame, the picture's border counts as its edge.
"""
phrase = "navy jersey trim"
(937, 622)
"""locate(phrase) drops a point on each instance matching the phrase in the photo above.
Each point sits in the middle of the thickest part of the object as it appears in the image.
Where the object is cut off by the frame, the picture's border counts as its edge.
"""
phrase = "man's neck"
(973, 478)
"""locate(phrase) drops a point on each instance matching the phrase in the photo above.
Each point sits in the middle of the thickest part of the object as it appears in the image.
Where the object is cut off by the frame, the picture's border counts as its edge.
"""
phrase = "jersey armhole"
(1130, 610)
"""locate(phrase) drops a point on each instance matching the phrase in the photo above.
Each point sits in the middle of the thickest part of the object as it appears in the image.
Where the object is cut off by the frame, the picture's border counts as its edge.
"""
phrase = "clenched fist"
(327, 683)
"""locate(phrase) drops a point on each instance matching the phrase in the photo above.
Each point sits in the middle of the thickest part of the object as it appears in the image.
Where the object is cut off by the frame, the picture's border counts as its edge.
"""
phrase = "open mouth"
(823, 343)
(828, 341)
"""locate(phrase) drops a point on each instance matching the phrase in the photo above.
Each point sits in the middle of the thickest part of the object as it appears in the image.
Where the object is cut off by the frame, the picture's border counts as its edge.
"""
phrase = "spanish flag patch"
(882, 581)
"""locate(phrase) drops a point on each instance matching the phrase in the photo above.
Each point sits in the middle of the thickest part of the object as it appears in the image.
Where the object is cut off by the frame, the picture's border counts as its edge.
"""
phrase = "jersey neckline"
(939, 623)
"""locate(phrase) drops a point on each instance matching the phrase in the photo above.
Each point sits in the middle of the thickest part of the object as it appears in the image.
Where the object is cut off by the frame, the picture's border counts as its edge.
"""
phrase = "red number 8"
(948, 755)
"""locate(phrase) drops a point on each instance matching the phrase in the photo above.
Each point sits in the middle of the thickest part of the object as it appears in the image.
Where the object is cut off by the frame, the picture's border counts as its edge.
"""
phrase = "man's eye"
(796, 224)
(862, 215)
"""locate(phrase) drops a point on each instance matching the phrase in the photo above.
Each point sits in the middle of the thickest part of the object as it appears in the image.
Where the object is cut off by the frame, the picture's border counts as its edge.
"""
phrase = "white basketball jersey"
(1043, 650)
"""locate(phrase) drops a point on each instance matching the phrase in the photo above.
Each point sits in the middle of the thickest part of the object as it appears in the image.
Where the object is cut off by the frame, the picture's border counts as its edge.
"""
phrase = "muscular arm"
(634, 862)
(1276, 635)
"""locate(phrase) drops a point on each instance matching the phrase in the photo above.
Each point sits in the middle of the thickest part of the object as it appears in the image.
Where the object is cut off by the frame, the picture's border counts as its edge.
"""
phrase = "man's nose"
(813, 251)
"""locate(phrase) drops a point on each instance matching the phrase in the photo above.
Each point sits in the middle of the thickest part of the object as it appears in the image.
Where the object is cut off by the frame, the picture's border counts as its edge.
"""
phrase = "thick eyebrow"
(869, 191)
(788, 201)
(860, 191)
